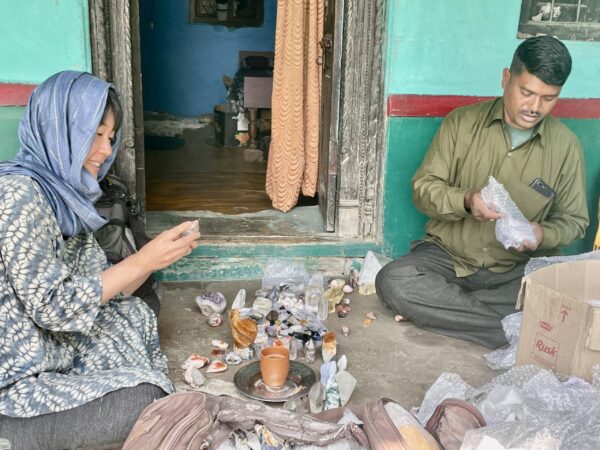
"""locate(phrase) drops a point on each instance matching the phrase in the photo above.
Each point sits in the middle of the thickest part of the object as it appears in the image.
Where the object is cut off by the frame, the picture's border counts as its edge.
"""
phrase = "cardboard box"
(560, 329)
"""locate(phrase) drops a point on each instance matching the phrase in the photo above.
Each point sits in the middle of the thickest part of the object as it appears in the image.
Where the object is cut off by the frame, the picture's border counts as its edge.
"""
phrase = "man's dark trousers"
(423, 287)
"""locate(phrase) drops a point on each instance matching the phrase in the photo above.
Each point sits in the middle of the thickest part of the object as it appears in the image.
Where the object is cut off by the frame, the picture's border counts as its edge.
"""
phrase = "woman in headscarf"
(79, 356)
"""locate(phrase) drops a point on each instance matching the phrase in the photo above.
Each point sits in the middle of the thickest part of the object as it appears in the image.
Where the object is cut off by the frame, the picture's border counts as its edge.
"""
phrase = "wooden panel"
(330, 110)
(244, 53)
(258, 92)
(114, 41)
(362, 141)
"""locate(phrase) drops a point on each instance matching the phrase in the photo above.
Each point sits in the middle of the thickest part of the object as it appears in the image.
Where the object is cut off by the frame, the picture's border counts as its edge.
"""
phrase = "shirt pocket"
(532, 204)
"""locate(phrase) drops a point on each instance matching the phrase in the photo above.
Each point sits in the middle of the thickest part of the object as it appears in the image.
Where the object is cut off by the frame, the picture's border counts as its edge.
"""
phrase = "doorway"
(207, 115)
(356, 137)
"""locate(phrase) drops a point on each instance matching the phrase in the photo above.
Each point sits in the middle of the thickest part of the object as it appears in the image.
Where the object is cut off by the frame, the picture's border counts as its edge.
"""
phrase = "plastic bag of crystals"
(513, 229)
(282, 272)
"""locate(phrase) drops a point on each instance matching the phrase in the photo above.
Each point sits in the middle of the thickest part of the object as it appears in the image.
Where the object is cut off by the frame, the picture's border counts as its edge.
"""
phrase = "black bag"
(125, 233)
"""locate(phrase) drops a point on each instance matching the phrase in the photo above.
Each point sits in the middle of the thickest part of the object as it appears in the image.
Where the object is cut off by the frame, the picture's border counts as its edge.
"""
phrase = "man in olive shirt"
(459, 280)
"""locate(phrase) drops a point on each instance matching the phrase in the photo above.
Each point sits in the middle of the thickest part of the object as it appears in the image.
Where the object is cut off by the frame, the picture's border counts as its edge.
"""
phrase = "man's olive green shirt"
(471, 145)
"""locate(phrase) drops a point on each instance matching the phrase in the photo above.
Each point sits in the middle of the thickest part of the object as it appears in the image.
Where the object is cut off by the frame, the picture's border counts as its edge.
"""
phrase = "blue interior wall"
(183, 63)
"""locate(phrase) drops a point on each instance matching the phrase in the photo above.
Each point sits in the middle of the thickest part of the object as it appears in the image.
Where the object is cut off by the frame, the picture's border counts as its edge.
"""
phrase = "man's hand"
(539, 237)
(474, 203)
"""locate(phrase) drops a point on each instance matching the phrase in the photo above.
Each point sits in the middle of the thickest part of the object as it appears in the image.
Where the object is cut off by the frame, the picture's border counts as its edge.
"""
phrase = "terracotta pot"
(274, 365)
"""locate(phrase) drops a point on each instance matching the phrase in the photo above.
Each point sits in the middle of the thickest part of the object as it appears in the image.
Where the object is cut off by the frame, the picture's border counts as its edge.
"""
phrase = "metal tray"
(249, 381)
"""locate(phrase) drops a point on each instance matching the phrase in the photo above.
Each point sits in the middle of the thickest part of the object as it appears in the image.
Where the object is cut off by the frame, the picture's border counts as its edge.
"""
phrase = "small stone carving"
(216, 366)
(211, 302)
(215, 319)
(194, 377)
(309, 351)
(353, 278)
(222, 345)
(196, 361)
(244, 330)
(233, 358)
(329, 347)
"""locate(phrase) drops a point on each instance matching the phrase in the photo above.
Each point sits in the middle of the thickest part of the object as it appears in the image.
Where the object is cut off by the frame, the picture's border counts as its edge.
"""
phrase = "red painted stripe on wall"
(411, 105)
(15, 94)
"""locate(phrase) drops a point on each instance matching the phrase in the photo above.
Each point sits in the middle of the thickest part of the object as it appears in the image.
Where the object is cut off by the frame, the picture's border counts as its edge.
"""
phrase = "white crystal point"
(316, 397)
(346, 384)
(240, 300)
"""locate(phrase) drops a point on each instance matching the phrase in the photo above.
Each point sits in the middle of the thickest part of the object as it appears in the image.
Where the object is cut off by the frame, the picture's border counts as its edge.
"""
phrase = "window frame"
(233, 22)
(575, 31)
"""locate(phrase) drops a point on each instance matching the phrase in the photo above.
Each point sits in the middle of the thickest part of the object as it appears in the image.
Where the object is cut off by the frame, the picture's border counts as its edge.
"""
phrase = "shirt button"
(509, 154)
(484, 249)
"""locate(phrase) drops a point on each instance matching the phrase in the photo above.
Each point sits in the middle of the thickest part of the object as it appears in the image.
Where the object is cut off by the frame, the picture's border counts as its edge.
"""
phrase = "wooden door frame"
(115, 44)
(362, 121)
(115, 49)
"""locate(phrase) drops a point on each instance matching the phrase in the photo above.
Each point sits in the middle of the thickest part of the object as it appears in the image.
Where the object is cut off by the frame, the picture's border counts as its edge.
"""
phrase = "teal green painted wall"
(9, 121)
(41, 37)
(588, 132)
(460, 47)
(409, 139)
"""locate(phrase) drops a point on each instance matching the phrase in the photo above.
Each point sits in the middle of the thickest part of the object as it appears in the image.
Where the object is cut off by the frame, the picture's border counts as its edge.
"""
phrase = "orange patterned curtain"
(296, 103)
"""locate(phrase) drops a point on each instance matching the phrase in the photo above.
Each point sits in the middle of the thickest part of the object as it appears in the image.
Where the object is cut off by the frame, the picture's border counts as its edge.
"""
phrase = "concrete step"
(230, 260)
(238, 247)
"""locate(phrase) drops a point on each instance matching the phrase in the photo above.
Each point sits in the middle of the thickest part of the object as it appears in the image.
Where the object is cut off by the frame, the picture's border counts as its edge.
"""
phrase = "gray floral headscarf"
(56, 134)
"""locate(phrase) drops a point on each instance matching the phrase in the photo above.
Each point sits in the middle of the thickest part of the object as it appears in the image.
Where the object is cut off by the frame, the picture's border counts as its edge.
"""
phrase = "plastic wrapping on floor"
(538, 263)
(504, 358)
(526, 407)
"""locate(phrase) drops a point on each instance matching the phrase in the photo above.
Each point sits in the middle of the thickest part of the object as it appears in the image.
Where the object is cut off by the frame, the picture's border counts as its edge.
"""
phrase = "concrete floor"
(388, 359)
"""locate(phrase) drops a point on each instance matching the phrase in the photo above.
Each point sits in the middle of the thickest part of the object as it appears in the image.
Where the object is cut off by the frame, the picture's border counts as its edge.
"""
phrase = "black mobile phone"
(540, 186)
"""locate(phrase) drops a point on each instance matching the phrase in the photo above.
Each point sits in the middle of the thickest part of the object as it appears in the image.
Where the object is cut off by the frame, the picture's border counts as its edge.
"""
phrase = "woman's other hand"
(162, 251)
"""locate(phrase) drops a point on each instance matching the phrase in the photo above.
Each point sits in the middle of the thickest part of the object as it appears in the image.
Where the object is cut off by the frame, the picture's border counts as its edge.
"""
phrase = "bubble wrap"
(504, 358)
(537, 263)
(527, 405)
(448, 385)
(514, 228)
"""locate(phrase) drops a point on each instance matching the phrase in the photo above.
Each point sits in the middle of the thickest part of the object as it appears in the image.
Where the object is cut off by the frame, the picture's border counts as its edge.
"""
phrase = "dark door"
(330, 101)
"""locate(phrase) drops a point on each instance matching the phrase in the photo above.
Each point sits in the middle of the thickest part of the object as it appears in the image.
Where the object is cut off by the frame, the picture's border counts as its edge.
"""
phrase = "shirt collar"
(497, 114)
